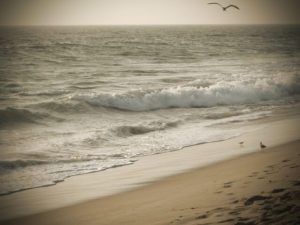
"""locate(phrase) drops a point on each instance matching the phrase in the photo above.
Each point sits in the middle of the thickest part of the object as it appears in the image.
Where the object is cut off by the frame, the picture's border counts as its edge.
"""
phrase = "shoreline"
(147, 170)
(225, 192)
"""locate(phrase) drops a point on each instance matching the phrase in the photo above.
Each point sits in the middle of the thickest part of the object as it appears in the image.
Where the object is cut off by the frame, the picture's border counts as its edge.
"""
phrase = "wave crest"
(209, 95)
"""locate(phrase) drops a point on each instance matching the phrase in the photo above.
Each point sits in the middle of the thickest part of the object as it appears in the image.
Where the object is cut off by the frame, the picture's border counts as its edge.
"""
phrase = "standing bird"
(224, 8)
(262, 145)
(241, 143)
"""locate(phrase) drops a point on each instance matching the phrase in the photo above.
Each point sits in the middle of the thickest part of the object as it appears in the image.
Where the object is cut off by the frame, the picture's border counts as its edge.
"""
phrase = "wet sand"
(258, 188)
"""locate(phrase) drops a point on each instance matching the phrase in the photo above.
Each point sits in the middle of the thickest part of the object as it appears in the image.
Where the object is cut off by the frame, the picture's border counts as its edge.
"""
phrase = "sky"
(146, 12)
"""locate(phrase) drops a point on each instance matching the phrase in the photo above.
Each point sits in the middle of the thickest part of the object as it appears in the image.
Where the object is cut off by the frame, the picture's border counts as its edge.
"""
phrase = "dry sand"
(258, 188)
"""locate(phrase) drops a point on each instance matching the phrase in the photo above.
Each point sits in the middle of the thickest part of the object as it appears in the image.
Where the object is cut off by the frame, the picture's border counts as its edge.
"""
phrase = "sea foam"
(187, 96)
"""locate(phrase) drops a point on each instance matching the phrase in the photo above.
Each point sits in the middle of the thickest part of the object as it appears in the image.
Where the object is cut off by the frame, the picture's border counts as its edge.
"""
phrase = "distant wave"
(124, 131)
(10, 88)
(72, 45)
(221, 115)
(12, 85)
(14, 164)
(45, 93)
(241, 118)
(21, 163)
(83, 87)
(10, 116)
(142, 43)
(64, 106)
(196, 95)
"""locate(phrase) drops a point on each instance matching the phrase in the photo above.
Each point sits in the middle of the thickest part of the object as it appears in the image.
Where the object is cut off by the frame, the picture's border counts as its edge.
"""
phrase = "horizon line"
(187, 24)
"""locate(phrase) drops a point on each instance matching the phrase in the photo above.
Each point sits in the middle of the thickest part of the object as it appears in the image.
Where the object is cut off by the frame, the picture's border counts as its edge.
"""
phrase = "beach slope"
(258, 188)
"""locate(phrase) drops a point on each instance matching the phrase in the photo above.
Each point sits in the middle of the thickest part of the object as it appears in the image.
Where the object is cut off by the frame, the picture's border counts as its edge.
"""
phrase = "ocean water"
(76, 100)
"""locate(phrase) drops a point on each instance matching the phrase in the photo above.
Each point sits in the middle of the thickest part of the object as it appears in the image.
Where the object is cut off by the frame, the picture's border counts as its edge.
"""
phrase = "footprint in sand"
(283, 209)
(226, 221)
(175, 221)
(254, 174)
(296, 183)
(286, 197)
(255, 198)
(266, 207)
(204, 216)
(267, 172)
(228, 184)
(216, 210)
(235, 213)
(245, 223)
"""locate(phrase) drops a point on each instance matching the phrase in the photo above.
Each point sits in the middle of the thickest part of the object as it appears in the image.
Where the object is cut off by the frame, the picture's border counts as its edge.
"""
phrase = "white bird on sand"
(262, 145)
(224, 7)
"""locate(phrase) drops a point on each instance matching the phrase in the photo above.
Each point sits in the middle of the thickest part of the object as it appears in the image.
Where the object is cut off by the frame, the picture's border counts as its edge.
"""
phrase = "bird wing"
(215, 3)
(234, 6)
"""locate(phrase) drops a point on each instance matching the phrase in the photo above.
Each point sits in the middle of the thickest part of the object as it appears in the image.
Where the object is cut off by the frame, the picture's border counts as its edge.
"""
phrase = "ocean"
(76, 100)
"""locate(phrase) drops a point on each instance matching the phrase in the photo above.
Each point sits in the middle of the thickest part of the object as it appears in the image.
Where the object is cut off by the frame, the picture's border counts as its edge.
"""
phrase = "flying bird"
(224, 8)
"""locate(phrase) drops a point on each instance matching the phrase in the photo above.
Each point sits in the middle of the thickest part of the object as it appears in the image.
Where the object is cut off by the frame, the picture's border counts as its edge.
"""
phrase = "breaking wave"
(125, 131)
(195, 95)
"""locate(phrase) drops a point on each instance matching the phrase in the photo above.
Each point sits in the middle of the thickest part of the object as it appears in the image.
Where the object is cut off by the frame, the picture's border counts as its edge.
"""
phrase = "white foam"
(219, 93)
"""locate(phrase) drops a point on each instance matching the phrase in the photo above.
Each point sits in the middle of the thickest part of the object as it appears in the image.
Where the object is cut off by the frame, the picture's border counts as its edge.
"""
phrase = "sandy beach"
(149, 112)
(257, 188)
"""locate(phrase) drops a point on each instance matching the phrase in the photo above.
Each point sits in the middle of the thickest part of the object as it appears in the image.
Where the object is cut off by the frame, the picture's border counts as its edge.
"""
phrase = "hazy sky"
(107, 12)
